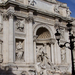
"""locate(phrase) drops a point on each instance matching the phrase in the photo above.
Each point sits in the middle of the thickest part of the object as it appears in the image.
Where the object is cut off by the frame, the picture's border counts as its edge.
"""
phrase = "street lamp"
(71, 43)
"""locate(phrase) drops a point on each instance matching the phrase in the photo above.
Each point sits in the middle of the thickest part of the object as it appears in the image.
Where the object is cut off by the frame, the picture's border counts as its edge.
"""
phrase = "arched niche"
(43, 42)
(35, 29)
(43, 33)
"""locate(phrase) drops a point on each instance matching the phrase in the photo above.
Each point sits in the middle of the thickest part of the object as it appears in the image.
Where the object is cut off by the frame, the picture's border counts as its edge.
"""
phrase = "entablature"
(34, 10)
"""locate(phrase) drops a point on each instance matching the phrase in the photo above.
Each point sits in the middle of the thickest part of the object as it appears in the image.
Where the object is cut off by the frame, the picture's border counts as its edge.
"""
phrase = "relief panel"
(63, 56)
(20, 25)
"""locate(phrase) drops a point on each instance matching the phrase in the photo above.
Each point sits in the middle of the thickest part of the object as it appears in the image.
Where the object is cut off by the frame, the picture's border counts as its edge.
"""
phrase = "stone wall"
(27, 38)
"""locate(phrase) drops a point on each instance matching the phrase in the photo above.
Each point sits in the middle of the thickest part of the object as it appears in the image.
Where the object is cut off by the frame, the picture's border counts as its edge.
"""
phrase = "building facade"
(27, 37)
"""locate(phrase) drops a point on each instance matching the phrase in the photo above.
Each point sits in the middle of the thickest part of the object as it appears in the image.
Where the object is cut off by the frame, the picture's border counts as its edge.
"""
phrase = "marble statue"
(27, 24)
(56, 9)
(63, 55)
(19, 51)
(42, 60)
(68, 12)
(31, 2)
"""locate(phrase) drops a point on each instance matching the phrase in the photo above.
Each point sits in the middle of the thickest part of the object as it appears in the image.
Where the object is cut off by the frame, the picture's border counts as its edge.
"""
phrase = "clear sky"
(71, 5)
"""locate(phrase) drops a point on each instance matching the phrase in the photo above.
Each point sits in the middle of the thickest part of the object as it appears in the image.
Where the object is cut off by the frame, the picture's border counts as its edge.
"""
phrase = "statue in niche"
(42, 57)
(63, 55)
(20, 25)
(19, 51)
(68, 12)
(62, 33)
(42, 61)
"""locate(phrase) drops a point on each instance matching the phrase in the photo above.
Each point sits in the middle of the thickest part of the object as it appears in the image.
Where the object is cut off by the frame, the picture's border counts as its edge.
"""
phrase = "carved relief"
(68, 12)
(43, 62)
(20, 25)
(63, 56)
(56, 8)
(32, 72)
(31, 2)
(44, 66)
(24, 73)
(62, 32)
(19, 50)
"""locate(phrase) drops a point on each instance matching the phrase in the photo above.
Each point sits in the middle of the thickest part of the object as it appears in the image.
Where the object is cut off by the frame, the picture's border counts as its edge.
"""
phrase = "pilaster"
(58, 55)
(11, 38)
(1, 55)
(52, 52)
(34, 41)
(29, 38)
(55, 50)
(5, 38)
(52, 42)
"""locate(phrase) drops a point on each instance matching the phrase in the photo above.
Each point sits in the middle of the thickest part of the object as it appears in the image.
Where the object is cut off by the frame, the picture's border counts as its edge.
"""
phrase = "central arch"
(43, 33)
(35, 29)
(43, 37)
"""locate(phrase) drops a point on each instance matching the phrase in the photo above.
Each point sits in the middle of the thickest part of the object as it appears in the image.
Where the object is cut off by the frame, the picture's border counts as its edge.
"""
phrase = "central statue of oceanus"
(42, 61)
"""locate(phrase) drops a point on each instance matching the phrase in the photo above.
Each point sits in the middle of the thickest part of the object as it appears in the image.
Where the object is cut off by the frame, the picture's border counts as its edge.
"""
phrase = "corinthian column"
(11, 38)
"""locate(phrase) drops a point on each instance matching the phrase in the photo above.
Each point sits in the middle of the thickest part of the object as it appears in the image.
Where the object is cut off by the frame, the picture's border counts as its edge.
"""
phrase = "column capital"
(52, 40)
(5, 17)
(30, 17)
(11, 15)
(10, 11)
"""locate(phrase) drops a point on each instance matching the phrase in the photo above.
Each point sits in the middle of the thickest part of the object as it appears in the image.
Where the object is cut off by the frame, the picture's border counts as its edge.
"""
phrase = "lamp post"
(71, 43)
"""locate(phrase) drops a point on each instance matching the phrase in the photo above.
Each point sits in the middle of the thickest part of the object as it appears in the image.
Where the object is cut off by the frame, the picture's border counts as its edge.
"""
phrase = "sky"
(71, 5)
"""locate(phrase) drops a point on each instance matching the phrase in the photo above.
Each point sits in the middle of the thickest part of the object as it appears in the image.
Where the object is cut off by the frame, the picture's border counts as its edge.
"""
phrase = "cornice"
(28, 7)
(56, 2)
(50, 1)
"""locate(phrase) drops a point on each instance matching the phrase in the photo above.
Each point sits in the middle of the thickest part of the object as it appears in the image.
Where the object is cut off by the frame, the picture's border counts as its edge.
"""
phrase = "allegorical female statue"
(19, 50)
